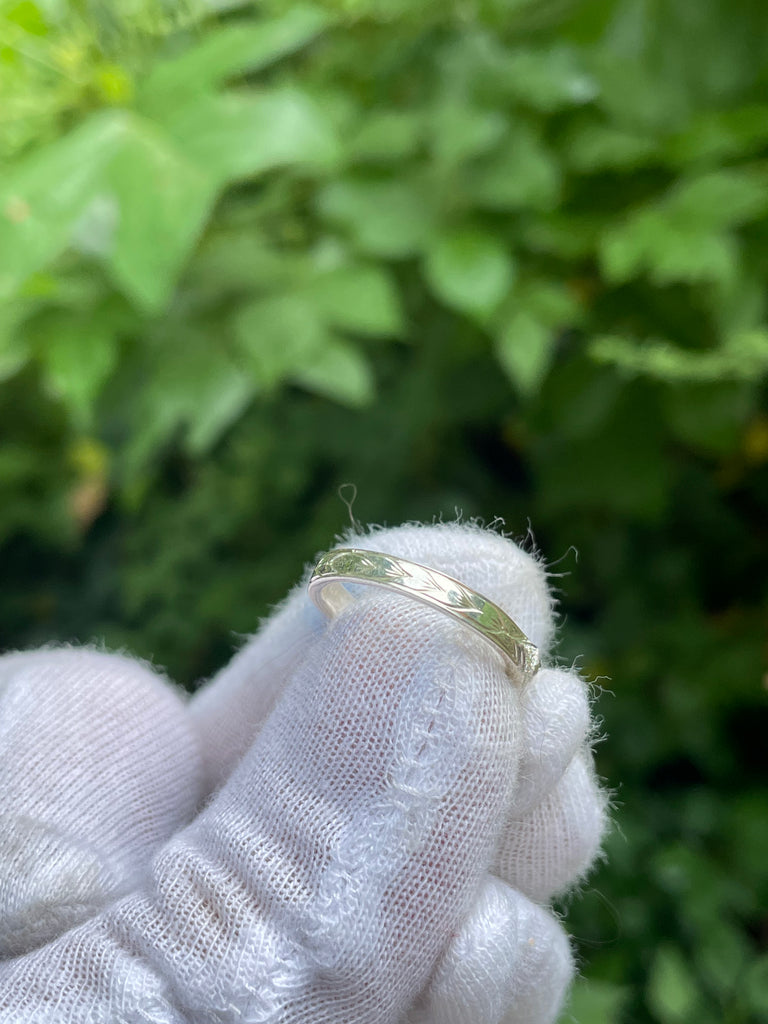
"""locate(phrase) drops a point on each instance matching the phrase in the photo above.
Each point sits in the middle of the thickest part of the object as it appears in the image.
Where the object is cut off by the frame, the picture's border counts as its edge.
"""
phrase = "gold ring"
(354, 565)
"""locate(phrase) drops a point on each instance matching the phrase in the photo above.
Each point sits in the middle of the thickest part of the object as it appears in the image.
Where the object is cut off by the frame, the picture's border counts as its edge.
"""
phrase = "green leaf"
(243, 259)
(391, 219)
(387, 136)
(77, 354)
(523, 174)
(742, 357)
(15, 351)
(222, 400)
(232, 49)
(362, 299)
(469, 270)
(756, 986)
(237, 135)
(338, 371)
(459, 132)
(43, 196)
(593, 473)
(580, 398)
(594, 1002)
(14, 354)
(747, 820)
(671, 992)
(599, 147)
(527, 328)
(716, 135)
(163, 200)
(722, 955)
(190, 384)
(524, 347)
(117, 187)
(548, 80)
(720, 199)
(668, 250)
(710, 417)
(567, 235)
(284, 339)
(279, 334)
(685, 236)
(27, 15)
(552, 302)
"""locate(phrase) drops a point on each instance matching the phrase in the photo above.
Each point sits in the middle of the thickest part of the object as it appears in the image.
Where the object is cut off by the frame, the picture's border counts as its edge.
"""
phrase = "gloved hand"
(384, 818)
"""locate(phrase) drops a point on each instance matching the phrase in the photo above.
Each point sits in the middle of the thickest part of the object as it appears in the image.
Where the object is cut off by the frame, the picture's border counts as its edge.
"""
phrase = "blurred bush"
(503, 256)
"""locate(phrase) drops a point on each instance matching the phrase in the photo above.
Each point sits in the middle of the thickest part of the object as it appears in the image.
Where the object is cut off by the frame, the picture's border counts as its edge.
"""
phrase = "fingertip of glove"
(550, 850)
(510, 960)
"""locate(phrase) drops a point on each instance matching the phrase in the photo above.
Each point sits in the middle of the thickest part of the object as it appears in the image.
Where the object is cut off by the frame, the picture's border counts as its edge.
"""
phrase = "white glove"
(390, 816)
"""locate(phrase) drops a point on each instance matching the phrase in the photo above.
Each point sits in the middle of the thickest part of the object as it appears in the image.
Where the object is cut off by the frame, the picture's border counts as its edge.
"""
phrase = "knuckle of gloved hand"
(583, 810)
(549, 850)
(49, 881)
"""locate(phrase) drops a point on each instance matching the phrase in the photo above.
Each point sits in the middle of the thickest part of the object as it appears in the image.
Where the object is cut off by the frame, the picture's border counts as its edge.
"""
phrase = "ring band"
(355, 565)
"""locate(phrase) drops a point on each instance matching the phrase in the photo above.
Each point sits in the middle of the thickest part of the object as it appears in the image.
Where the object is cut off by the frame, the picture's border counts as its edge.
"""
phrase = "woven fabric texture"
(385, 815)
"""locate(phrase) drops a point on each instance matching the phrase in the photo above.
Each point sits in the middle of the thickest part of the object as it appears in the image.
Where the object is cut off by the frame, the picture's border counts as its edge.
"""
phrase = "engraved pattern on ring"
(355, 565)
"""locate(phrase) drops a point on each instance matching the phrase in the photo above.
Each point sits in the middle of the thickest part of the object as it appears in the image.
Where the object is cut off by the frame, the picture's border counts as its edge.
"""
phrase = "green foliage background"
(503, 256)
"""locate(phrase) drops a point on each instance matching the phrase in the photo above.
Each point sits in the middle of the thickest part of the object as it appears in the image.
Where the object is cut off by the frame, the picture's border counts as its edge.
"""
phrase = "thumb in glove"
(99, 765)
